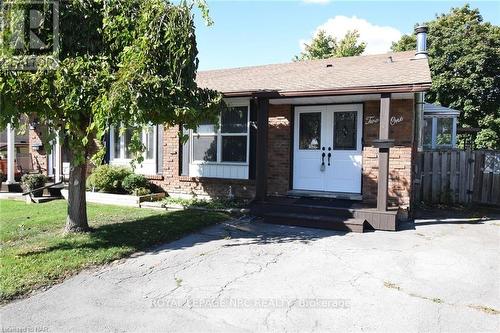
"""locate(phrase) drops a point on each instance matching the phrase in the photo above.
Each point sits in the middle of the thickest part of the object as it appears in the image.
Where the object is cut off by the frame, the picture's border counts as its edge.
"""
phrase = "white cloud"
(322, 2)
(378, 39)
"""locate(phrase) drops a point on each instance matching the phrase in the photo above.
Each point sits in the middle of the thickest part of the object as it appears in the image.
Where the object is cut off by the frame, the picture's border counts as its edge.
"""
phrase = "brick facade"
(279, 153)
(280, 144)
(279, 163)
(39, 158)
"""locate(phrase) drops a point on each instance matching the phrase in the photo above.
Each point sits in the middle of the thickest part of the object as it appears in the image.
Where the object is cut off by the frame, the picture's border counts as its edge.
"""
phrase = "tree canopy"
(325, 46)
(464, 58)
(128, 63)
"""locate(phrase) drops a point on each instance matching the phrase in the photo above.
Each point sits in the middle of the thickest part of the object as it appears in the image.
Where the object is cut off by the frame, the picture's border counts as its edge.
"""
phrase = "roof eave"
(404, 88)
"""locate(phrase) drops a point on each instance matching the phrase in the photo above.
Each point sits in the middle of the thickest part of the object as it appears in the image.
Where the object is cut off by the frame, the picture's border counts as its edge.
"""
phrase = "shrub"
(33, 181)
(133, 182)
(108, 178)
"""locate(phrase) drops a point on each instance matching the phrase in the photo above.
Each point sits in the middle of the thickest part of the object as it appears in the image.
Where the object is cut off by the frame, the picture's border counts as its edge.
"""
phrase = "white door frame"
(345, 170)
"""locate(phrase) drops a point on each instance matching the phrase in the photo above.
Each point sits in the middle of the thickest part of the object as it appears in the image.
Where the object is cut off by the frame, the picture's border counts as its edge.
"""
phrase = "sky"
(247, 33)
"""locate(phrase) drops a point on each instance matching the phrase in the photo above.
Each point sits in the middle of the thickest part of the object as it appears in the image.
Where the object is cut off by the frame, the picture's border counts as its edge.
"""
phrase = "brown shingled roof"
(357, 74)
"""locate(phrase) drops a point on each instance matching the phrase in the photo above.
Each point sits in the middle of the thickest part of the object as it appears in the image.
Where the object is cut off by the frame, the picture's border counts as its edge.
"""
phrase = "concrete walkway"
(240, 276)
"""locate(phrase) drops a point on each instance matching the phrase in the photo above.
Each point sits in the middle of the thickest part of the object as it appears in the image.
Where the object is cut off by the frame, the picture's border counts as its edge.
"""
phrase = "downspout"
(421, 53)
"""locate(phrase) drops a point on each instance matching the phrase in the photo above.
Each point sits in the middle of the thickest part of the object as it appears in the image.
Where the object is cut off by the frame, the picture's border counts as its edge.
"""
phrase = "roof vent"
(329, 65)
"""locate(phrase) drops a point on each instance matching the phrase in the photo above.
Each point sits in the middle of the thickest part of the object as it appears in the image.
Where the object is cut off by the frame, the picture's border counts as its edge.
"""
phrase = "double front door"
(327, 148)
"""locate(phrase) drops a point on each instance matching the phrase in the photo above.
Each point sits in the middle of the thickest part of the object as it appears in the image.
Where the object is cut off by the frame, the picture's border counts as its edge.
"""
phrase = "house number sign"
(369, 120)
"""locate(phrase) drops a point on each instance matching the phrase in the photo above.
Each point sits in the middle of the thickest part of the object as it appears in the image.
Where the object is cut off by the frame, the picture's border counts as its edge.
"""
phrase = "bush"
(133, 182)
(108, 178)
(33, 181)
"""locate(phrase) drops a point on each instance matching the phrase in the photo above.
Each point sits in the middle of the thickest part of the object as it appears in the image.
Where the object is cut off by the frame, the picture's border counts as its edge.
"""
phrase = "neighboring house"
(345, 128)
(440, 127)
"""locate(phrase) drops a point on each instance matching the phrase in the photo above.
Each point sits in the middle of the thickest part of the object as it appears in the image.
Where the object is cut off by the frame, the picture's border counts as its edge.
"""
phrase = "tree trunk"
(77, 205)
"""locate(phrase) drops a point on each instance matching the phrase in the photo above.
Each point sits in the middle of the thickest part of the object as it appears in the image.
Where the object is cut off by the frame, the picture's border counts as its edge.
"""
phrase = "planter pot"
(54, 191)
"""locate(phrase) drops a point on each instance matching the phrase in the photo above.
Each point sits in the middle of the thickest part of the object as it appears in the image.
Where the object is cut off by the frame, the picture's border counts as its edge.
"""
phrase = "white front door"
(327, 148)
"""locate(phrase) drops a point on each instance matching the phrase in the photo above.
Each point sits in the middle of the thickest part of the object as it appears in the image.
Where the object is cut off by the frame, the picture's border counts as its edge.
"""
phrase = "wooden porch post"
(261, 165)
(383, 144)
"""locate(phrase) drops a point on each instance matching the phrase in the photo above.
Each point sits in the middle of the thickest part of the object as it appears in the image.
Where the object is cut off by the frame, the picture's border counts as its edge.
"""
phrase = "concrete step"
(316, 221)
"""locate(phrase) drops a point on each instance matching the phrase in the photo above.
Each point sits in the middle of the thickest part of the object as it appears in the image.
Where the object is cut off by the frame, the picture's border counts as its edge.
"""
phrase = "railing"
(30, 193)
(457, 176)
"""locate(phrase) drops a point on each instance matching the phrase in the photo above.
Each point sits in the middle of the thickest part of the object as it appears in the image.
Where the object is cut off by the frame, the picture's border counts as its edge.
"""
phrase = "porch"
(348, 185)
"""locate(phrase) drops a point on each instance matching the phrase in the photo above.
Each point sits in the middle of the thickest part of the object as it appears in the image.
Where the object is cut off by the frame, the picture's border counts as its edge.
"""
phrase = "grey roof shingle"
(313, 75)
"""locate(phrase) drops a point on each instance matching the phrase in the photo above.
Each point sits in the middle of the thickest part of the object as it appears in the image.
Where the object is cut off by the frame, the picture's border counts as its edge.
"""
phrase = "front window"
(224, 142)
(221, 150)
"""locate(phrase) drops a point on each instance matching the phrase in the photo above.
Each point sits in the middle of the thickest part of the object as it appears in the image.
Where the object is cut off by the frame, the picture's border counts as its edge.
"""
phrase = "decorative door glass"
(310, 131)
(344, 130)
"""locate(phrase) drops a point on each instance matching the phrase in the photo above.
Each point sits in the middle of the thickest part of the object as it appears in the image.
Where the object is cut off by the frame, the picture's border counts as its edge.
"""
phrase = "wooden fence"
(457, 176)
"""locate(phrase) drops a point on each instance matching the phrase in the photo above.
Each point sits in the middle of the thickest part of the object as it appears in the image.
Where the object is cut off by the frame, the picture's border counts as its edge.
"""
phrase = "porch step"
(324, 210)
(316, 221)
(310, 208)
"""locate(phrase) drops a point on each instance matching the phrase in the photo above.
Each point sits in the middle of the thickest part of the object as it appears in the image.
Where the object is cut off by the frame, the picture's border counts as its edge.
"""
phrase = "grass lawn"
(34, 251)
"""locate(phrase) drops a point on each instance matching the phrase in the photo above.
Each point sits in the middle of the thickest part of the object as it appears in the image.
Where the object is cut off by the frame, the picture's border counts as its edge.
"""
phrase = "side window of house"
(427, 132)
(221, 150)
(439, 132)
(443, 133)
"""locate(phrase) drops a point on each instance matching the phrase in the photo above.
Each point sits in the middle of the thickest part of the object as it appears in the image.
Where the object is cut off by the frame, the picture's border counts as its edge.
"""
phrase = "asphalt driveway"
(241, 276)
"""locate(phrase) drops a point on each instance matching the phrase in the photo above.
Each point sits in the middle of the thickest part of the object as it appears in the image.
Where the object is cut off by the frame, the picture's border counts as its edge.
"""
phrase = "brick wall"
(400, 156)
(39, 159)
(280, 120)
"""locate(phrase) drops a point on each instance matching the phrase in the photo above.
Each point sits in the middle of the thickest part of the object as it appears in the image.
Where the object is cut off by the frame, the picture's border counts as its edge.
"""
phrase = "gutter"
(406, 88)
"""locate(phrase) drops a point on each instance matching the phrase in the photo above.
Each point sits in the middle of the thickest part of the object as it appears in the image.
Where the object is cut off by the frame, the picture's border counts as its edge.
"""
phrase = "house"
(326, 143)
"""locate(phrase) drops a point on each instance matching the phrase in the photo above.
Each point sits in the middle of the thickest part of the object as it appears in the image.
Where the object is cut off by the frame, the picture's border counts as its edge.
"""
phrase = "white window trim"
(434, 119)
(147, 166)
(219, 136)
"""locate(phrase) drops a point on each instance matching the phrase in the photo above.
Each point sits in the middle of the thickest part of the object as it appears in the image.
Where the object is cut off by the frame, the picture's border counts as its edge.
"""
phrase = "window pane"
(116, 143)
(310, 130)
(150, 142)
(206, 128)
(205, 148)
(427, 132)
(444, 128)
(234, 120)
(128, 138)
(344, 132)
(234, 148)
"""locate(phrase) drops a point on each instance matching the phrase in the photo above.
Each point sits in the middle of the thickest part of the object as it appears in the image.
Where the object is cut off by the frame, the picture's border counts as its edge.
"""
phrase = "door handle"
(329, 155)
(323, 159)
